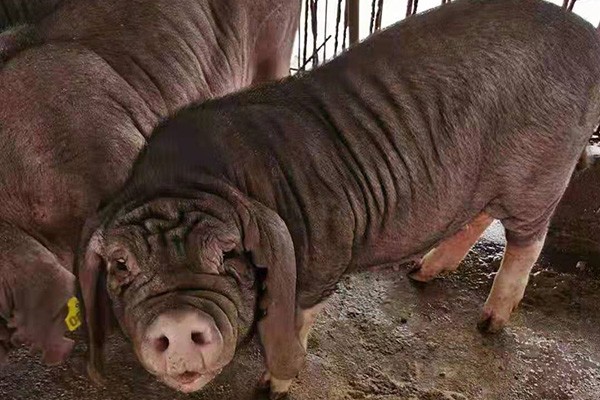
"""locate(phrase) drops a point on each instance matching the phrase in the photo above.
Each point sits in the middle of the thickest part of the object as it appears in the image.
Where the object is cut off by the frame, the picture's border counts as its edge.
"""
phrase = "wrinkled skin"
(416, 139)
(147, 267)
(82, 90)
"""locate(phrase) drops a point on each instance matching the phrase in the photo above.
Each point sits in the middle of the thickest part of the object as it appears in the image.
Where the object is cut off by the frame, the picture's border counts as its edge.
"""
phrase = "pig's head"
(182, 282)
(34, 292)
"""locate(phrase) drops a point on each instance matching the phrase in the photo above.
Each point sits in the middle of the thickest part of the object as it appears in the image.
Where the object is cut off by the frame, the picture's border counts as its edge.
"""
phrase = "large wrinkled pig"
(81, 91)
(13, 12)
(414, 140)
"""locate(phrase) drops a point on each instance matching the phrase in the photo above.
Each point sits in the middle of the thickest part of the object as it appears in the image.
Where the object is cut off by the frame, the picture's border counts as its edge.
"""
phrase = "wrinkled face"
(184, 302)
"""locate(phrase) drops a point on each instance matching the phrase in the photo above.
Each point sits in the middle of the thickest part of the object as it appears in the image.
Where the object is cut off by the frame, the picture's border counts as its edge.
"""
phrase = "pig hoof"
(95, 375)
(490, 322)
(420, 274)
(279, 388)
(264, 383)
(278, 396)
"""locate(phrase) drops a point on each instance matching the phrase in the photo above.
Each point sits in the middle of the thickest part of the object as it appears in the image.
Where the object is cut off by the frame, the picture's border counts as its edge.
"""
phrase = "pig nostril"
(161, 344)
(199, 338)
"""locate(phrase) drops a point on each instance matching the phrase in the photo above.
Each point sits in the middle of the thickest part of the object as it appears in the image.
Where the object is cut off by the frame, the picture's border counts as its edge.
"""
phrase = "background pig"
(13, 12)
(414, 140)
(78, 106)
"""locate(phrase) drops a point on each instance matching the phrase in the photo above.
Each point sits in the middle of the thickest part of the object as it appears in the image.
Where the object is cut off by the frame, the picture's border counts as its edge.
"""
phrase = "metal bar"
(299, 45)
(313, 15)
(354, 18)
(379, 16)
(372, 21)
(303, 68)
(345, 26)
(306, 5)
(409, 8)
(337, 27)
(325, 29)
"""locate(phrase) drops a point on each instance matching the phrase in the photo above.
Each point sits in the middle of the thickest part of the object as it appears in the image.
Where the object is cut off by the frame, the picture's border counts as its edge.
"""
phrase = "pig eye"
(228, 255)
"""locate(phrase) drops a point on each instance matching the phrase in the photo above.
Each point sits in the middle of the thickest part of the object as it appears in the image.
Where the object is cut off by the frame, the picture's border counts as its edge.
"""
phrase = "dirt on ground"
(383, 337)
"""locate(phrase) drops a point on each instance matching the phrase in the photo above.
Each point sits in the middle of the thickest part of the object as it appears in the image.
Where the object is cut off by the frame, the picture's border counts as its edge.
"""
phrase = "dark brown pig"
(414, 140)
(81, 91)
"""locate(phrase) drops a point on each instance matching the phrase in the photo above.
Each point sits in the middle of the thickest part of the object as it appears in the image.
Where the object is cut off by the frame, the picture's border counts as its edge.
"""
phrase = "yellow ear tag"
(73, 319)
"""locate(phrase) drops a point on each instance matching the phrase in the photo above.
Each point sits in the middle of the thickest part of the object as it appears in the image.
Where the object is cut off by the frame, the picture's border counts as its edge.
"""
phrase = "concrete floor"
(382, 337)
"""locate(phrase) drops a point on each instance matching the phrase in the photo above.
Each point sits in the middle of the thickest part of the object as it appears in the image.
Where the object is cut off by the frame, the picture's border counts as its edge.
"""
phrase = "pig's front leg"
(509, 285)
(305, 321)
(450, 252)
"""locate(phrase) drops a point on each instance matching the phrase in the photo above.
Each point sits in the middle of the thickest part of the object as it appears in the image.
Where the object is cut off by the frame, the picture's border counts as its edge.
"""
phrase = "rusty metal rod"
(313, 17)
(379, 16)
(325, 29)
(346, 12)
(337, 27)
(409, 8)
(354, 20)
(372, 21)
(306, 9)
(303, 68)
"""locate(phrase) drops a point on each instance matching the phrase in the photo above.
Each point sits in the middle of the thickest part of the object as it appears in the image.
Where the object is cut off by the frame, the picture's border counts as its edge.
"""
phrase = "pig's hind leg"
(527, 206)
(447, 256)
(510, 282)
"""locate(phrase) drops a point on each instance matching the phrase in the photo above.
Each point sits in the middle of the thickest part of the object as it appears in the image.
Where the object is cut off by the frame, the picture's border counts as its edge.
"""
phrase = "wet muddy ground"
(382, 337)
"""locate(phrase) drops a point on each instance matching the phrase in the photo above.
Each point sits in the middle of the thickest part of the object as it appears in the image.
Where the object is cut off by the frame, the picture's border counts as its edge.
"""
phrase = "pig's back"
(456, 111)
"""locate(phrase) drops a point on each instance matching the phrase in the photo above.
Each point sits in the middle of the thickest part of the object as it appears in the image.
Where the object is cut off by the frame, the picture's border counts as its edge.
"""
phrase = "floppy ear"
(34, 290)
(267, 239)
(97, 307)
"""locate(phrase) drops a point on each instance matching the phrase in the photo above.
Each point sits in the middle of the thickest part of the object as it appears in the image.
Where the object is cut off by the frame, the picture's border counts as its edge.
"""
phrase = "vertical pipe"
(325, 30)
(313, 18)
(337, 27)
(372, 22)
(409, 8)
(379, 15)
(353, 18)
(346, 12)
(300, 43)
(306, 5)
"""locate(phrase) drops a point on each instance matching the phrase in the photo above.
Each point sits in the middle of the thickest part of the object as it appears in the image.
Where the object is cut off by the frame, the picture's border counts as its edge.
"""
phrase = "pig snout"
(183, 348)
(57, 352)
(50, 341)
